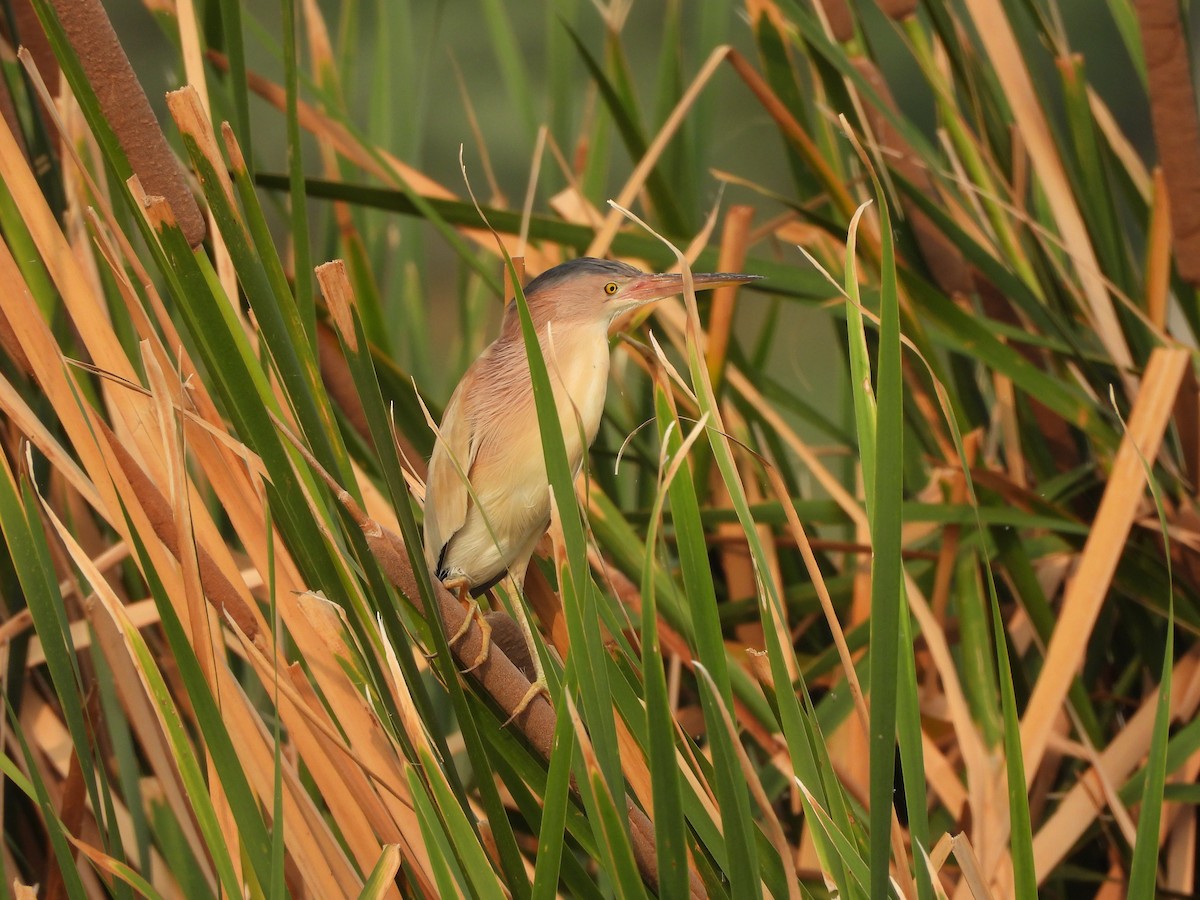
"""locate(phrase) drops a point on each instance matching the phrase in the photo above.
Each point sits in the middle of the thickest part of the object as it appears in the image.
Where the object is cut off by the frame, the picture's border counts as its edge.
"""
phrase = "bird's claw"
(536, 688)
(485, 645)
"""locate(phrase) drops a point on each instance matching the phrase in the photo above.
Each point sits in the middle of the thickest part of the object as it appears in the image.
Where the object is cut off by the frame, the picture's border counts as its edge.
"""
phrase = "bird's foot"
(474, 615)
(537, 688)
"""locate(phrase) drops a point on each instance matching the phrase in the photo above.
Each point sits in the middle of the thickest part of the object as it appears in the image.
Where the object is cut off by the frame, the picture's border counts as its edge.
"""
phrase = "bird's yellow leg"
(467, 602)
(539, 685)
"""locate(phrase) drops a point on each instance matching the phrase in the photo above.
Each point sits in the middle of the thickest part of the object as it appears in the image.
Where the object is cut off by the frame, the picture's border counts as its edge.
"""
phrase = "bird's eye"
(610, 288)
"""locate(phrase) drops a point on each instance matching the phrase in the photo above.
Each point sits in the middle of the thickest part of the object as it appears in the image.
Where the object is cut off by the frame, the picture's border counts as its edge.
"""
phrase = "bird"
(487, 494)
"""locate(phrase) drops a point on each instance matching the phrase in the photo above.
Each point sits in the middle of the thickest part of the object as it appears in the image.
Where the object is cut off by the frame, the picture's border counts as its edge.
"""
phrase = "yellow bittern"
(489, 434)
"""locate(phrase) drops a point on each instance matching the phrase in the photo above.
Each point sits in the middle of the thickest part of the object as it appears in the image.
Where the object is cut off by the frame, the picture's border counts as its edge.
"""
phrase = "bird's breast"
(579, 376)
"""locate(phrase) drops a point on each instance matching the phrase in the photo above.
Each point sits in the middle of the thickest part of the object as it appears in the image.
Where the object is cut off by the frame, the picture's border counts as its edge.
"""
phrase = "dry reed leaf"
(194, 613)
(734, 242)
(109, 237)
(113, 629)
(1120, 145)
(356, 720)
(152, 513)
(192, 46)
(198, 618)
(1081, 805)
(572, 205)
(193, 122)
(968, 863)
(299, 696)
(943, 777)
(1110, 528)
(410, 718)
(80, 423)
(339, 299)
(311, 844)
(162, 779)
(220, 469)
(244, 509)
(602, 241)
(115, 869)
(353, 801)
(84, 306)
(995, 32)
(140, 615)
(35, 431)
(1179, 869)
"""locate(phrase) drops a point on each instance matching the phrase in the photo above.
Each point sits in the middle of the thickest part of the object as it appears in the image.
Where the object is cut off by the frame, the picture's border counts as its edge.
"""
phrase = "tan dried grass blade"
(1080, 807)
(1086, 592)
(995, 31)
(612, 222)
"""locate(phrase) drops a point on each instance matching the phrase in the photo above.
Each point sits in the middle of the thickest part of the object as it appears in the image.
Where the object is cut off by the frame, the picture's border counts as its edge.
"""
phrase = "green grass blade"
(555, 800)
(305, 306)
(669, 826)
(461, 835)
(234, 46)
(579, 599)
(37, 792)
(880, 419)
(1143, 871)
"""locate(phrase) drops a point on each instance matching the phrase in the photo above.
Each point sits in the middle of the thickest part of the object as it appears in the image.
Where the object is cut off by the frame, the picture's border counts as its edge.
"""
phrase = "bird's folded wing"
(446, 495)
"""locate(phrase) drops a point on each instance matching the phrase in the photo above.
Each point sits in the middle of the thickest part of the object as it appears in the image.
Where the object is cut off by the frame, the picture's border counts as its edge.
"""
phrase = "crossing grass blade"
(669, 825)
(881, 436)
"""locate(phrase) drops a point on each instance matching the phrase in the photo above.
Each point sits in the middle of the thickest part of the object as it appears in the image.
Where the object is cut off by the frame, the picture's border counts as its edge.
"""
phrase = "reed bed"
(909, 609)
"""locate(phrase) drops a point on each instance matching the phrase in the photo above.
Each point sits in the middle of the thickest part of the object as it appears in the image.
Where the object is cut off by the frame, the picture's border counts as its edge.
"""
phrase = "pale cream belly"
(501, 528)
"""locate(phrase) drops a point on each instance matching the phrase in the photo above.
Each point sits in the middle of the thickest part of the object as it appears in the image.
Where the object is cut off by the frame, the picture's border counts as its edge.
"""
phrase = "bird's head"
(588, 290)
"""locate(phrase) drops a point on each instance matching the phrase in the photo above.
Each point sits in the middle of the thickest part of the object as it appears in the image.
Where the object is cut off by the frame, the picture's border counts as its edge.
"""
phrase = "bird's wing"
(446, 496)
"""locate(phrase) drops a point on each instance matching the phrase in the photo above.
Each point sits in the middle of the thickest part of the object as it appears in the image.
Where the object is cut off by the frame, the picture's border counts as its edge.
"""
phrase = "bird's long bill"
(655, 287)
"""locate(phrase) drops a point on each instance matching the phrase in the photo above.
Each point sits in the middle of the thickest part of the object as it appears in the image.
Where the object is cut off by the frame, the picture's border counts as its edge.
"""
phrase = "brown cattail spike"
(128, 111)
(1176, 125)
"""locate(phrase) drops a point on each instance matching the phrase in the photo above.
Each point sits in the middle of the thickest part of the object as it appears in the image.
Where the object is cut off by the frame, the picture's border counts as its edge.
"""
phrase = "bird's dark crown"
(585, 265)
